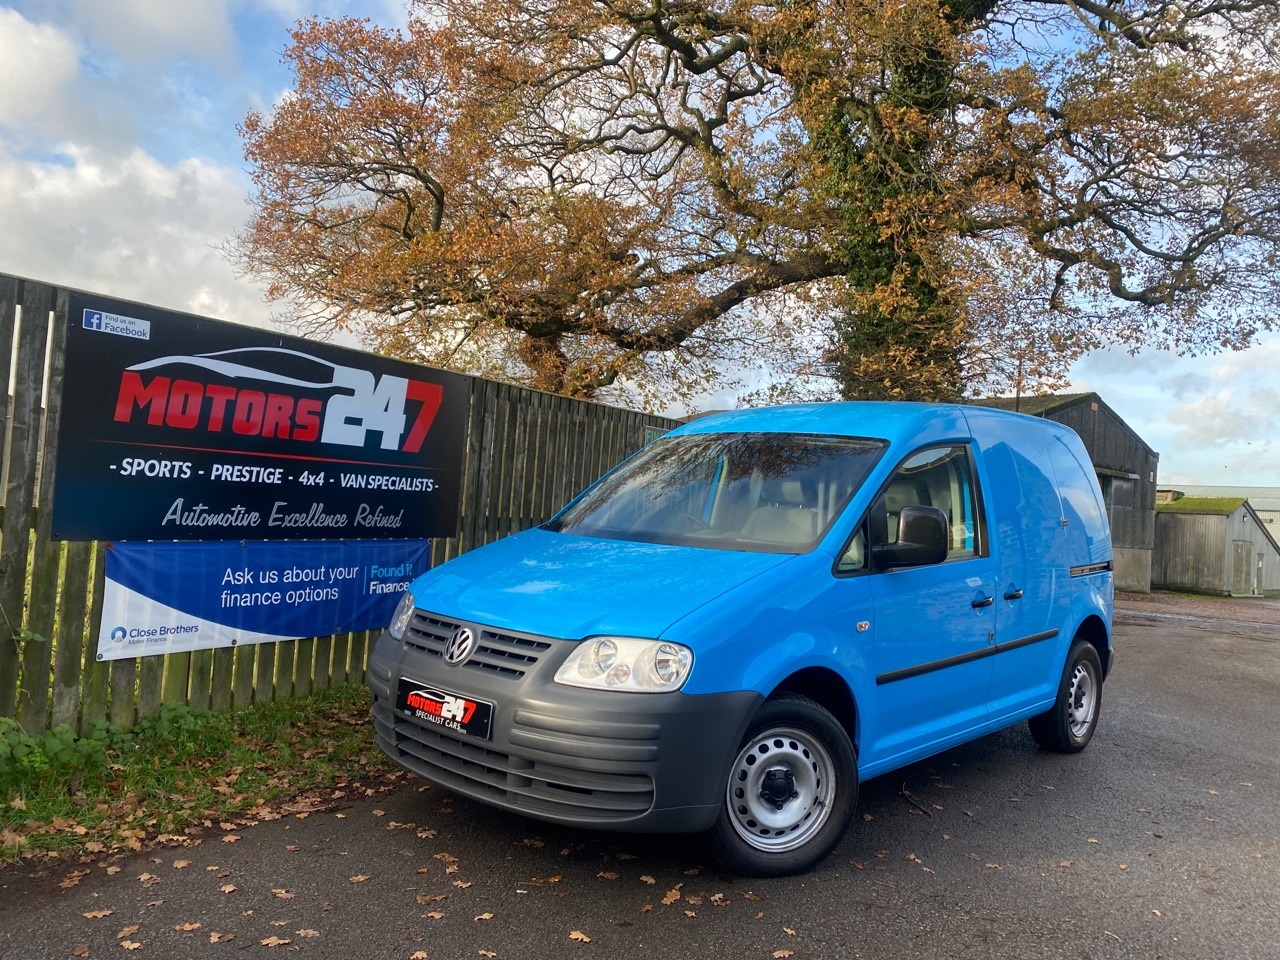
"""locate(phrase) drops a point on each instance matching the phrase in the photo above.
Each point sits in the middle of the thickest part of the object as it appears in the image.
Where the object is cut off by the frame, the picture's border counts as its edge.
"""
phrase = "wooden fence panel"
(526, 453)
(20, 484)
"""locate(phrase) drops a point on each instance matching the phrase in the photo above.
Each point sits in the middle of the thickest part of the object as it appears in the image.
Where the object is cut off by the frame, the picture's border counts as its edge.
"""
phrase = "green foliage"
(26, 760)
(175, 769)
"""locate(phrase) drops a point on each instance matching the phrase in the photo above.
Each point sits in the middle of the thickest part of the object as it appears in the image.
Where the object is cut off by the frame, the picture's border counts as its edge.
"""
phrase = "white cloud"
(157, 31)
(37, 64)
(130, 227)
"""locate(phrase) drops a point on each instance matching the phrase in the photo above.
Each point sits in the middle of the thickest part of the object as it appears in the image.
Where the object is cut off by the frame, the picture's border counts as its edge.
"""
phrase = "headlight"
(400, 619)
(627, 664)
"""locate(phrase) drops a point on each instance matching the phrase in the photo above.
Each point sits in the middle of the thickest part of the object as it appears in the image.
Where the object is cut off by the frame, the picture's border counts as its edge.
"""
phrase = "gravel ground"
(1256, 610)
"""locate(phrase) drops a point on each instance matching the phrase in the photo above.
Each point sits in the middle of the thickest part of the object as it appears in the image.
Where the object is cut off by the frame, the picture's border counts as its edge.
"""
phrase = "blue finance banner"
(174, 597)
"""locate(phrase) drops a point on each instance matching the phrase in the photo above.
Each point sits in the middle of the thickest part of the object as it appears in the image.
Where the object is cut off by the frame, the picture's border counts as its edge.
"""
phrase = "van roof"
(885, 420)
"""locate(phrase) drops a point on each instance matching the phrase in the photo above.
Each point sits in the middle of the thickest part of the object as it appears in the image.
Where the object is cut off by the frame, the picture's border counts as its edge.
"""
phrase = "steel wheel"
(789, 792)
(1069, 724)
(779, 794)
(1082, 708)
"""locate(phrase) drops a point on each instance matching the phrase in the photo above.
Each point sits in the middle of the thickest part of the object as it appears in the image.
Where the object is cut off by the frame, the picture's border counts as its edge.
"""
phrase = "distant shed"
(1216, 545)
(1126, 469)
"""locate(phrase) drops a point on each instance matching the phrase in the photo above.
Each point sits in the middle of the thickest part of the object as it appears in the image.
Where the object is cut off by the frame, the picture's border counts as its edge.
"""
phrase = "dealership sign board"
(176, 427)
(176, 597)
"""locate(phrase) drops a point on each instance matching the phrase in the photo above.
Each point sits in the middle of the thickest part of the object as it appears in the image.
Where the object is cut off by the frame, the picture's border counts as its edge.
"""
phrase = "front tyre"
(1068, 726)
(790, 792)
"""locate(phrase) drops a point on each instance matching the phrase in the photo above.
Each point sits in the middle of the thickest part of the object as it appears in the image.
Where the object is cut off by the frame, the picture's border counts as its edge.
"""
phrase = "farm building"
(1126, 469)
(1215, 545)
(1264, 500)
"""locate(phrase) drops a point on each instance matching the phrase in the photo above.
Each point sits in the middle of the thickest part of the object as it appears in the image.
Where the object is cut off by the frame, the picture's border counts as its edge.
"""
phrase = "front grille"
(516, 783)
(499, 653)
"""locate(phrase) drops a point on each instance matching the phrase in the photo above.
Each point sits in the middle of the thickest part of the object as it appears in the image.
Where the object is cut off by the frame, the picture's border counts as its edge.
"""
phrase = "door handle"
(984, 602)
(1015, 595)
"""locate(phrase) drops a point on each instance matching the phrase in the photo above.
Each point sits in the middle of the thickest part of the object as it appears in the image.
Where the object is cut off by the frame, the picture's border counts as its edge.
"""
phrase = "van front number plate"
(452, 711)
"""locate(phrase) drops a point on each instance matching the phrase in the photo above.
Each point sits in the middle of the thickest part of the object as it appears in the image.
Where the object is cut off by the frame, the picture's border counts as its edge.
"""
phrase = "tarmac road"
(1158, 841)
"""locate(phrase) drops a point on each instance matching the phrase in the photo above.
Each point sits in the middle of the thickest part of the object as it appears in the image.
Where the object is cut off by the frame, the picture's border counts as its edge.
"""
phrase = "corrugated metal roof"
(1204, 506)
(1034, 406)
(1252, 494)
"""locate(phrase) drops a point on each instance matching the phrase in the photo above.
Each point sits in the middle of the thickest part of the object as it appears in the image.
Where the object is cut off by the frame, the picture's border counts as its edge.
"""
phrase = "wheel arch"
(1094, 631)
(827, 688)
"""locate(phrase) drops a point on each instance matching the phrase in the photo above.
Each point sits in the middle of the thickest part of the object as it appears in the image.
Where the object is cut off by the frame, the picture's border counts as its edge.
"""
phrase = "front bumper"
(621, 761)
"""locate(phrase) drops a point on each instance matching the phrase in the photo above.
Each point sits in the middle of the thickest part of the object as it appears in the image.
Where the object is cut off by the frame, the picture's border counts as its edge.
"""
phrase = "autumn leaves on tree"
(910, 199)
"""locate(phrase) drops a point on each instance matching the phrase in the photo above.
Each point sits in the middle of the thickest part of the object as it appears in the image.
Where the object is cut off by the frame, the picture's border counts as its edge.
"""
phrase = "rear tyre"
(790, 792)
(1068, 726)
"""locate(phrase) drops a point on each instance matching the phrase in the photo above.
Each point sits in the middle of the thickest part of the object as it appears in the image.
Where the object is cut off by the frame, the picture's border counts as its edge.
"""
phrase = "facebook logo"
(130, 327)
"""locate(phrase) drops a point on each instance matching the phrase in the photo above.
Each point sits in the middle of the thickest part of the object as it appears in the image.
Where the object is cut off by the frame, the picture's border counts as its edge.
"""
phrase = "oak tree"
(908, 198)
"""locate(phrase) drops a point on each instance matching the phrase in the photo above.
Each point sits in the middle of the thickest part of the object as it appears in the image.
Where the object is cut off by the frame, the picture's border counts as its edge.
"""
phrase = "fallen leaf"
(359, 878)
(112, 871)
(228, 888)
(282, 894)
(181, 864)
(127, 931)
(753, 897)
(293, 848)
(80, 950)
(1157, 913)
(418, 955)
(307, 933)
(274, 941)
(788, 931)
(231, 838)
(97, 914)
(781, 954)
(690, 914)
(671, 897)
(72, 878)
(647, 908)
(424, 899)
(1092, 840)
(648, 879)
(131, 944)
(1064, 863)
(607, 875)
(187, 927)
(579, 936)
(434, 915)
(221, 937)
(486, 953)
(379, 813)
(462, 884)
(485, 916)
(994, 866)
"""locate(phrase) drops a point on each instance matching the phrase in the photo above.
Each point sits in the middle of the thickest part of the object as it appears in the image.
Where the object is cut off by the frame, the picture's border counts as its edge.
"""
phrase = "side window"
(940, 477)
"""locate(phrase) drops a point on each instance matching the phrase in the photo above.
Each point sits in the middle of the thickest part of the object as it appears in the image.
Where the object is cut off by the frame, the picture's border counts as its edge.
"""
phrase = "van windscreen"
(761, 492)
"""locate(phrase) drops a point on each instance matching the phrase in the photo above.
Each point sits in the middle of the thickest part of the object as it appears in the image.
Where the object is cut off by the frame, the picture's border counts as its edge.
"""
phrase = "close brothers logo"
(400, 410)
(118, 635)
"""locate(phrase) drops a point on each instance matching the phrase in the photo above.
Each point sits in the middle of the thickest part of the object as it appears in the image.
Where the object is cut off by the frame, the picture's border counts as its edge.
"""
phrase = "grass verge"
(180, 774)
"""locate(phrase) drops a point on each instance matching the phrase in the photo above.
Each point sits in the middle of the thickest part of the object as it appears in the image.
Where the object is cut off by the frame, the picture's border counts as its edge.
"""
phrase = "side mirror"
(922, 539)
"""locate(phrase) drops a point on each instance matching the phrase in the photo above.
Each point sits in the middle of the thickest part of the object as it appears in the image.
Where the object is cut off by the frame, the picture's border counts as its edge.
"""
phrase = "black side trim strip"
(1026, 641)
(920, 669)
(1089, 568)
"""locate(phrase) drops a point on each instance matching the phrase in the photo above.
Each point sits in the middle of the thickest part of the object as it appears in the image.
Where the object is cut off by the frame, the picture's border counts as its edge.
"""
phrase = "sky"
(121, 172)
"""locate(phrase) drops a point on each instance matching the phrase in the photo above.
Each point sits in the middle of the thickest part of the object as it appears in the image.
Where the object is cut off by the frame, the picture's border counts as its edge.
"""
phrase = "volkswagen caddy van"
(737, 625)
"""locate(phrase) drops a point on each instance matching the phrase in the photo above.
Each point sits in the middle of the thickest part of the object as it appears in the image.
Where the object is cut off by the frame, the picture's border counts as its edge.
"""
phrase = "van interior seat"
(781, 516)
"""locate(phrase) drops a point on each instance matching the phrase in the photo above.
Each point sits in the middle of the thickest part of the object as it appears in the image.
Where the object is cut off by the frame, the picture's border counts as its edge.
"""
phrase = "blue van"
(734, 627)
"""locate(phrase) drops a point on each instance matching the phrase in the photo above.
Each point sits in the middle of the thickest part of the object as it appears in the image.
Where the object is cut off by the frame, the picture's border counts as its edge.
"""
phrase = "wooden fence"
(527, 453)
